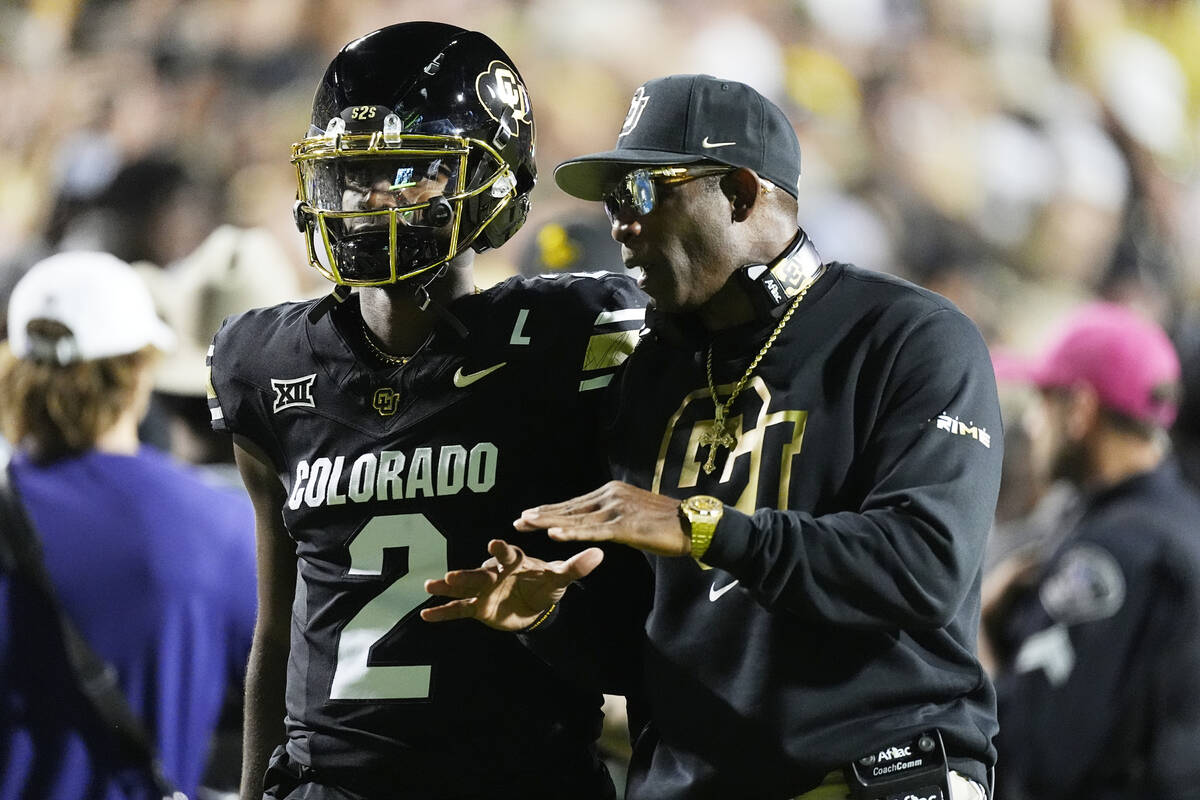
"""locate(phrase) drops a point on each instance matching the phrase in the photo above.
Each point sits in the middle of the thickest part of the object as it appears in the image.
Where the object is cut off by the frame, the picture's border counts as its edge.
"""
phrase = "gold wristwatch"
(701, 513)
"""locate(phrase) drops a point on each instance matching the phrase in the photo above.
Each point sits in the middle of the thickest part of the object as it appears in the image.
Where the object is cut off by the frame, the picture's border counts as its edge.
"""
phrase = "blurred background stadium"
(1019, 156)
(1015, 155)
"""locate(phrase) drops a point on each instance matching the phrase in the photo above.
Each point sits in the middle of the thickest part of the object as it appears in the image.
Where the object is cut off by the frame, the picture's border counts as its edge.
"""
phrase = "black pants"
(288, 780)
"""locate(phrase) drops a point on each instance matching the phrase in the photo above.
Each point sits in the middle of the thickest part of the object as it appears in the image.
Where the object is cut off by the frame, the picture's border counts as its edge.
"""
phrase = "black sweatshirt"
(838, 606)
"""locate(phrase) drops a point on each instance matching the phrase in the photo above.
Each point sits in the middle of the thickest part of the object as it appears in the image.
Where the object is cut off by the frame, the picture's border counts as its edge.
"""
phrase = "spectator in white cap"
(152, 566)
(83, 331)
(1096, 652)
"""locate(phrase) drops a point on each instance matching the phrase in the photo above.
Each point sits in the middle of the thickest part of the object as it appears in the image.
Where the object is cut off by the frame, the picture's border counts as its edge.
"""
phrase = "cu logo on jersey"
(503, 95)
(293, 393)
(385, 401)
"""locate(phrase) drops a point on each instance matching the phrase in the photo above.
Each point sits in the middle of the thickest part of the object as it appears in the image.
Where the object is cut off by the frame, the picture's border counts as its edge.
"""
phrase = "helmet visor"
(383, 216)
(367, 186)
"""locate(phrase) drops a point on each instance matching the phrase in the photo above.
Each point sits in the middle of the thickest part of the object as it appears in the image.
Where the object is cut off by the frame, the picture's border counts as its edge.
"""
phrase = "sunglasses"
(634, 194)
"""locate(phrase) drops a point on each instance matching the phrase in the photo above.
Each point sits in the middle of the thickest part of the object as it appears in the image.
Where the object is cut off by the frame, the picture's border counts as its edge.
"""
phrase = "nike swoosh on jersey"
(709, 145)
(714, 592)
(464, 379)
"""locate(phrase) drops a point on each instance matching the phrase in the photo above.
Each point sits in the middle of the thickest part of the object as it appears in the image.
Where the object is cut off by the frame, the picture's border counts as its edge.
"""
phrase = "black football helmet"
(421, 144)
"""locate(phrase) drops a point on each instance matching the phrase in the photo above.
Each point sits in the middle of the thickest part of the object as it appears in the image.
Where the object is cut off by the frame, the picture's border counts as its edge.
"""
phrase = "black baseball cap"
(682, 119)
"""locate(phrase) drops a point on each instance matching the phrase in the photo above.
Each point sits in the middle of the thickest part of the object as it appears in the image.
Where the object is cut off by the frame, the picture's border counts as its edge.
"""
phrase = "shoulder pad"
(247, 350)
(585, 321)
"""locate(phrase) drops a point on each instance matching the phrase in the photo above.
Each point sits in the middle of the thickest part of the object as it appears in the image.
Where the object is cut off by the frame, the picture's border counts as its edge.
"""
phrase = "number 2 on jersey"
(354, 678)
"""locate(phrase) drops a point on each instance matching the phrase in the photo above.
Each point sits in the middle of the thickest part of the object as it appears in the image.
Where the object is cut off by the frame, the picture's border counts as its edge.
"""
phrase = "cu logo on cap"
(499, 90)
(636, 106)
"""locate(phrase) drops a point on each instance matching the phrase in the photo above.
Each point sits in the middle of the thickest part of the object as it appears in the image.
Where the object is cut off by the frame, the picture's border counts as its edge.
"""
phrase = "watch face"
(703, 503)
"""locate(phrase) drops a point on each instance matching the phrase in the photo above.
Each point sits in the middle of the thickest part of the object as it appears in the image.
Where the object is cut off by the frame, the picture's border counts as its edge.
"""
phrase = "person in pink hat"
(1096, 651)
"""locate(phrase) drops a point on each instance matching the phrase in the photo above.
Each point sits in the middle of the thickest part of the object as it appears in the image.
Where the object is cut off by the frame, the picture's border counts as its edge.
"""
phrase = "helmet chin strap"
(321, 308)
(425, 302)
(421, 289)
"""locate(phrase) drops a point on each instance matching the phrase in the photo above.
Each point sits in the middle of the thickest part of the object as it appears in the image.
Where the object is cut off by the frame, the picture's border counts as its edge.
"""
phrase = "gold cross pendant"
(719, 435)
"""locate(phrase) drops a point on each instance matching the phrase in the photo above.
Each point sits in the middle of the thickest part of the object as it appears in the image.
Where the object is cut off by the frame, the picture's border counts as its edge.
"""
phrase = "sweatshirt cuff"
(730, 540)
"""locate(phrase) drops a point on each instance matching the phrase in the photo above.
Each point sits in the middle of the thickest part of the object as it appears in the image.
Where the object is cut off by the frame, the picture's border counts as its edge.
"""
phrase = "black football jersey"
(396, 474)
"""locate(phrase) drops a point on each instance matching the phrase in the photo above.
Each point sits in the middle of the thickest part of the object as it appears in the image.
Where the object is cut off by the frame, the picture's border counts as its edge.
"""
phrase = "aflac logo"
(893, 753)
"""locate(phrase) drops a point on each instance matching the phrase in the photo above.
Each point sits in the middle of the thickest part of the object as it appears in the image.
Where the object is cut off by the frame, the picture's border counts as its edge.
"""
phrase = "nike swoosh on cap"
(709, 145)
(714, 592)
(464, 379)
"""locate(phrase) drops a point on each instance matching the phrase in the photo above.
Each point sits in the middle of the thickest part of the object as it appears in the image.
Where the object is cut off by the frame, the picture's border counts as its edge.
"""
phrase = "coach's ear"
(740, 188)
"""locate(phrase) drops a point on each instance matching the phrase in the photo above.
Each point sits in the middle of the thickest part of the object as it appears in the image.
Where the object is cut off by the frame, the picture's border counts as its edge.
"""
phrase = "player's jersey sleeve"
(573, 332)
(614, 335)
(596, 635)
(928, 474)
(596, 318)
(239, 386)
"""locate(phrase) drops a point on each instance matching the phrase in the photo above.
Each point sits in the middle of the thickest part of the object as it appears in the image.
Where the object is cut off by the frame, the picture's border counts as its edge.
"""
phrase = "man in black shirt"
(1097, 651)
(809, 455)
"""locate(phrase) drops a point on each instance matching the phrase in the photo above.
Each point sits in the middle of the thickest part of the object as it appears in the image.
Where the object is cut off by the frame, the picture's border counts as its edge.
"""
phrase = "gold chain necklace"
(387, 358)
(722, 433)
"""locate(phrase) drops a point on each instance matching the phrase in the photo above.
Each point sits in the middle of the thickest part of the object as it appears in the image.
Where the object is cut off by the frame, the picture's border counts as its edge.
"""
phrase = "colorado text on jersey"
(393, 475)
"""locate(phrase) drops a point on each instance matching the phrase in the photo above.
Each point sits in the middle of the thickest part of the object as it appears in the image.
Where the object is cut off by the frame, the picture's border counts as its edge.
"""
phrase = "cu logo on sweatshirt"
(760, 461)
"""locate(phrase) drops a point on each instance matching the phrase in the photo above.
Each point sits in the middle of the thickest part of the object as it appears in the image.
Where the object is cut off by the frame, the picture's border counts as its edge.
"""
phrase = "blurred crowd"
(1021, 158)
(1009, 154)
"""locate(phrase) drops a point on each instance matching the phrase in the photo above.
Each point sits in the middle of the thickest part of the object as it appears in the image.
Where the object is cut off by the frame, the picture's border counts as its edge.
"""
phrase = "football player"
(387, 433)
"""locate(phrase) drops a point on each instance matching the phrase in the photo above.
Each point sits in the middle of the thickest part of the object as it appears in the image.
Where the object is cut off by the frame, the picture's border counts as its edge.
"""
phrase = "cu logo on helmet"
(501, 91)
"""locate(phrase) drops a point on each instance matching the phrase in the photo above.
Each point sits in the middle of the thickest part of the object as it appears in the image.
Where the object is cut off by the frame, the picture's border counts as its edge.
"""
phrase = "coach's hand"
(616, 512)
(510, 590)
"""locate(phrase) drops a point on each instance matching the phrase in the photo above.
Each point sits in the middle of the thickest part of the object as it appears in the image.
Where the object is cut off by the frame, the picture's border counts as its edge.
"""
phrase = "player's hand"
(616, 512)
(510, 590)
